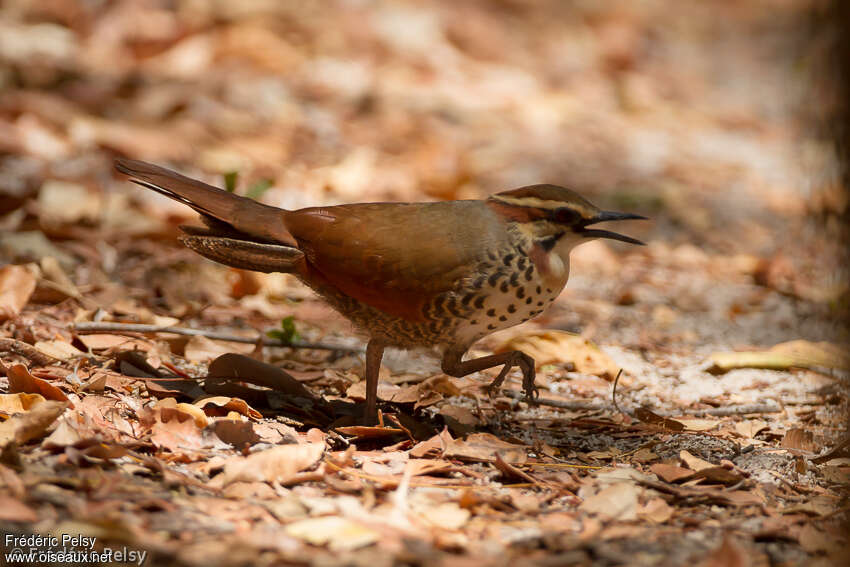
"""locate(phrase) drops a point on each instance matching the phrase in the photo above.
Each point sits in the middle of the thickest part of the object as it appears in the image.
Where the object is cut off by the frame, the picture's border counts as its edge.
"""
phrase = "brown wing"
(393, 256)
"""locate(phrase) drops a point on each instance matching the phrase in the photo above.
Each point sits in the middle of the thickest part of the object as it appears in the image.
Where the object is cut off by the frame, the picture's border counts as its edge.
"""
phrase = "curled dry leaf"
(16, 286)
(169, 410)
(550, 346)
(16, 403)
(801, 354)
(31, 424)
(221, 405)
(280, 464)
(20, 380)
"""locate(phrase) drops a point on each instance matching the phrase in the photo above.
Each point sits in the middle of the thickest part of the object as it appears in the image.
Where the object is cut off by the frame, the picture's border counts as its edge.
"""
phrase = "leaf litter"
(724, 445)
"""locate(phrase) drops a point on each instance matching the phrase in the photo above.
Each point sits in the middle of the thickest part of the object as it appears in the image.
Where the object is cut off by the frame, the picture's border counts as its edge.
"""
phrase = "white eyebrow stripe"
(529, 202)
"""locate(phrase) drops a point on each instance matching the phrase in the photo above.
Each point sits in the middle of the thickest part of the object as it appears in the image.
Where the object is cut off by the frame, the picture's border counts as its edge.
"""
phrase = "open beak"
(604, 216)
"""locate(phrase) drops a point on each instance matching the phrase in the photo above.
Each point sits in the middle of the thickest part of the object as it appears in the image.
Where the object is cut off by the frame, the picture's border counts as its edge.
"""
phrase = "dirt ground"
(723, 442)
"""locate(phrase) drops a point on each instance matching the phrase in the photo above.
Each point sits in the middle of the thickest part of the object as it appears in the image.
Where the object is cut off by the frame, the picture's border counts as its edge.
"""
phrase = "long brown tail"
(245, 216)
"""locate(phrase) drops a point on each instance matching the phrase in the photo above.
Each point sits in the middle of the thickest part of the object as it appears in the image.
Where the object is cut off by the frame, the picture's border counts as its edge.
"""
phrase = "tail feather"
(246, 216)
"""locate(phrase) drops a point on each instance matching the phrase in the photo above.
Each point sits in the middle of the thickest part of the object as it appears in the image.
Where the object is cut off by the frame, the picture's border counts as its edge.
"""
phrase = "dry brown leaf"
(551, 346)
(749, 428)
(16, 286)
(280, 464)
(800, 353)
(32, 424)
(670, 473)
(15, 403)
(483, 447)
(339, 534)
(656, 511)
(226, 404)
(60, 350)
(801, 440)
(693, 462)
(169, 410)
(20, 380)
(616, 502)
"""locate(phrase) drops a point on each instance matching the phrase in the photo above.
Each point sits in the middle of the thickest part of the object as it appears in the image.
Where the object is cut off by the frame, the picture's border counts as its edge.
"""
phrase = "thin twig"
(140, 328)
(614, 391)
(713, 412)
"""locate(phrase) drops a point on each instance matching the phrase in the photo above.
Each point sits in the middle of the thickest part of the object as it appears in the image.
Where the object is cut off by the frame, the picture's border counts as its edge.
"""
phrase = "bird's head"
(553, 215)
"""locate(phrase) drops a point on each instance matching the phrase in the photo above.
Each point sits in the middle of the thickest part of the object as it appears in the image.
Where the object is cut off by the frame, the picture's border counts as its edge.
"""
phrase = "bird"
(430, 274)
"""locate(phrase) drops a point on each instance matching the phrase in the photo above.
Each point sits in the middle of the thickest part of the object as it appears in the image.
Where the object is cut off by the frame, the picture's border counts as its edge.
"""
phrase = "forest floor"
(724, 440)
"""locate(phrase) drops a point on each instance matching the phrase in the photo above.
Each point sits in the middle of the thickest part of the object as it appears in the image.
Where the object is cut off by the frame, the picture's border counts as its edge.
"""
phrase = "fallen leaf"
(646, 415)
(225, 404)
(169, 409)
(14, 403)
(801, 440)
(670, 473)
(339, 534)
(446, 516)
(749, 428)
(30, 425)
(800, 354)
(698, 423)
(551, 346)
(483, 447)
(16, 286)
(280, 464)
(617, 502)
(694, 462)
(656, 511)
(20, 380)
(60, 350)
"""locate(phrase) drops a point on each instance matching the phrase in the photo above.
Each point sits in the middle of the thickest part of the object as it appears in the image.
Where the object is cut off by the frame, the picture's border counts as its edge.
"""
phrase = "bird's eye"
(566, 215)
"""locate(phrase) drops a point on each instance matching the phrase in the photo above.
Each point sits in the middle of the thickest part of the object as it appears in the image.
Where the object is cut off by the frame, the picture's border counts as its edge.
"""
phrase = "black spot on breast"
(438, 302)
(539, 303)
(521, 264)
(503, 318)
(515, 279)
(452, 306)
(504, 287)
(508, 259)
(548, 290)
(466, 299)
(474, 322)
(528, 273)
(491, 312)
(479, 302)
(539, 290)
(520, 293)
(491, 326)
(494, 277)
(529, 300)
(479, 282)
(511, 308)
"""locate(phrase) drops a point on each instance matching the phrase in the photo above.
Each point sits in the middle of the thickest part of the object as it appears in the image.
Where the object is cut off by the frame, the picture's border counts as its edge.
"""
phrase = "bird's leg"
(374, 354)
(454, 365)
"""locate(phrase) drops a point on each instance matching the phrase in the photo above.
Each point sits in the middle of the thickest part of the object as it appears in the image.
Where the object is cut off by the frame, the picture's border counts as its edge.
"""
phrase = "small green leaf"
(287, 332)
(230, 181)
(257, 189)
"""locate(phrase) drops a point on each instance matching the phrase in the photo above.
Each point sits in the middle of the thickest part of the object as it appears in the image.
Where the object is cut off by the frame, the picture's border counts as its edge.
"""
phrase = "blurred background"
(717, 119)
